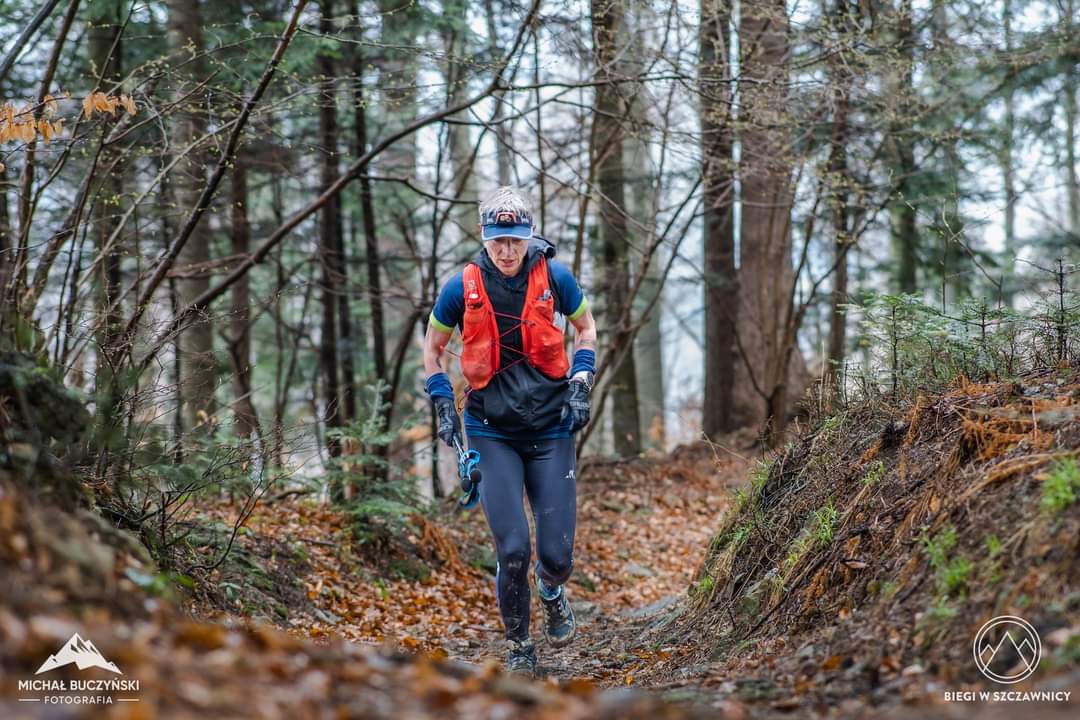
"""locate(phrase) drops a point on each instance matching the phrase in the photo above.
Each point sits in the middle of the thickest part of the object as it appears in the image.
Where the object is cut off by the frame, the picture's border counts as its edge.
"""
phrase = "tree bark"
(328, 243)
(199, 367)
(374, 293)
(106, 63)
(503, 139)
(642, 204)
(955, 282)
(462, 185)
(766, 273)
(1072, 184)
(1008, 168)
(396, 204)
(246, 418)
(397, 71)
(648, 348)
(6, 245)
(838, 178)
(458, 139)
(611, 107)
(902, 208)
(345, 323)
(718, 171)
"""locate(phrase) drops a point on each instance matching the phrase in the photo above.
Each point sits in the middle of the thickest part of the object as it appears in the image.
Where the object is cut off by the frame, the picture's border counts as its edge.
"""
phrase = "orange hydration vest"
(541, 340)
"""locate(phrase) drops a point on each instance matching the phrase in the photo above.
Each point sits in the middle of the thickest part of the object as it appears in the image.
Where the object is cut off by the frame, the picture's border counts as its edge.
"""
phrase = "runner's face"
(507, 253)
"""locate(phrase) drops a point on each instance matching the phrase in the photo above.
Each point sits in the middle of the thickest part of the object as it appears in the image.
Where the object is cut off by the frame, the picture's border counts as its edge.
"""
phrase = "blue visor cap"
(505, 223)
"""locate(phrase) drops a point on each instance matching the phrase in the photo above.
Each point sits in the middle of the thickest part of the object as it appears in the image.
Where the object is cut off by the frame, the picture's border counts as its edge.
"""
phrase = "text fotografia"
(76, 692)
(1007, 696)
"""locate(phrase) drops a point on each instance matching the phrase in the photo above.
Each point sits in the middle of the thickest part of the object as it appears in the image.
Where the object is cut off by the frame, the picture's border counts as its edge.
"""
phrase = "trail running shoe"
(522, 657)
(559, 625)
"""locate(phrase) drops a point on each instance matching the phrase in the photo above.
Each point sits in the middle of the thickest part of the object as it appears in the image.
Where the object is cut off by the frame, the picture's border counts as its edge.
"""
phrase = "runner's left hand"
(449, 423)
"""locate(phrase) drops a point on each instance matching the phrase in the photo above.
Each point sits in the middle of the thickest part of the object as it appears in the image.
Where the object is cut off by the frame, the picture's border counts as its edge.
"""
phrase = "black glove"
(449, 422)
(577, 402)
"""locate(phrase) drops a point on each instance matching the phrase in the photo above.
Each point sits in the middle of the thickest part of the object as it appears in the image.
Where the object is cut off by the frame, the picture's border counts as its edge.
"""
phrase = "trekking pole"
(468, 474)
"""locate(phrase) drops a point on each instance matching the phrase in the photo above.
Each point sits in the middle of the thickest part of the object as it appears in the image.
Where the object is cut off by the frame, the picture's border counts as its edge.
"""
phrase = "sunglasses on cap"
(505, 218)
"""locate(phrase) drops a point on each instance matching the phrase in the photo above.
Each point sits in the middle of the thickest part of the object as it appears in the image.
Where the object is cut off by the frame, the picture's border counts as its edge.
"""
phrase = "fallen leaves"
(205, 636)
(642, 527)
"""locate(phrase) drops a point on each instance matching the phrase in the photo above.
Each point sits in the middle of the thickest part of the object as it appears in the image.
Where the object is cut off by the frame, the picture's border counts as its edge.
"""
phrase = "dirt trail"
(642, 529)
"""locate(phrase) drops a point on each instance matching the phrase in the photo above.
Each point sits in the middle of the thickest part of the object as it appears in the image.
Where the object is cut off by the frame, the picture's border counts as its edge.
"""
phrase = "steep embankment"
(858, 565)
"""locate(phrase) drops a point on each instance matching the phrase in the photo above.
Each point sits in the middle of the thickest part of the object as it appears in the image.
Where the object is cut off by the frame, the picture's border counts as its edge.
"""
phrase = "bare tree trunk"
(607, 21)
(838, 179)
(197, 340)
(397, 82)
(462, 184)
(396, 204)
(1072, 184)
(458, 140)
(503, 140)
(345, 324)
(1008, 168)
(956, 284)
(641, 202)
(721, 279)
(371, 251)
(6, 246)
(328, 242)
(371, 241)
(178, 379)
(282, 373)
(648, 349)
(837, 350)
(333, 230)
(247, 420)
(766, 274)
(902, 209)
(164, 212)
(106, 60)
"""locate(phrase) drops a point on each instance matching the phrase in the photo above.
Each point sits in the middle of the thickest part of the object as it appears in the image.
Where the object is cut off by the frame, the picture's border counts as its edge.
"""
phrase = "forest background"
(226, 223)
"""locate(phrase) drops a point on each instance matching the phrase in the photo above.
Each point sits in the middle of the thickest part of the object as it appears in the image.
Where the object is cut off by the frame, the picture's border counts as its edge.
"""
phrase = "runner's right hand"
(577, 401)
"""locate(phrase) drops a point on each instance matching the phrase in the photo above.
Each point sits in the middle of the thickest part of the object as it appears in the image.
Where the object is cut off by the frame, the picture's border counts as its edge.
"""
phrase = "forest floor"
(304, 620)
(312, 615)
(642, 527)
